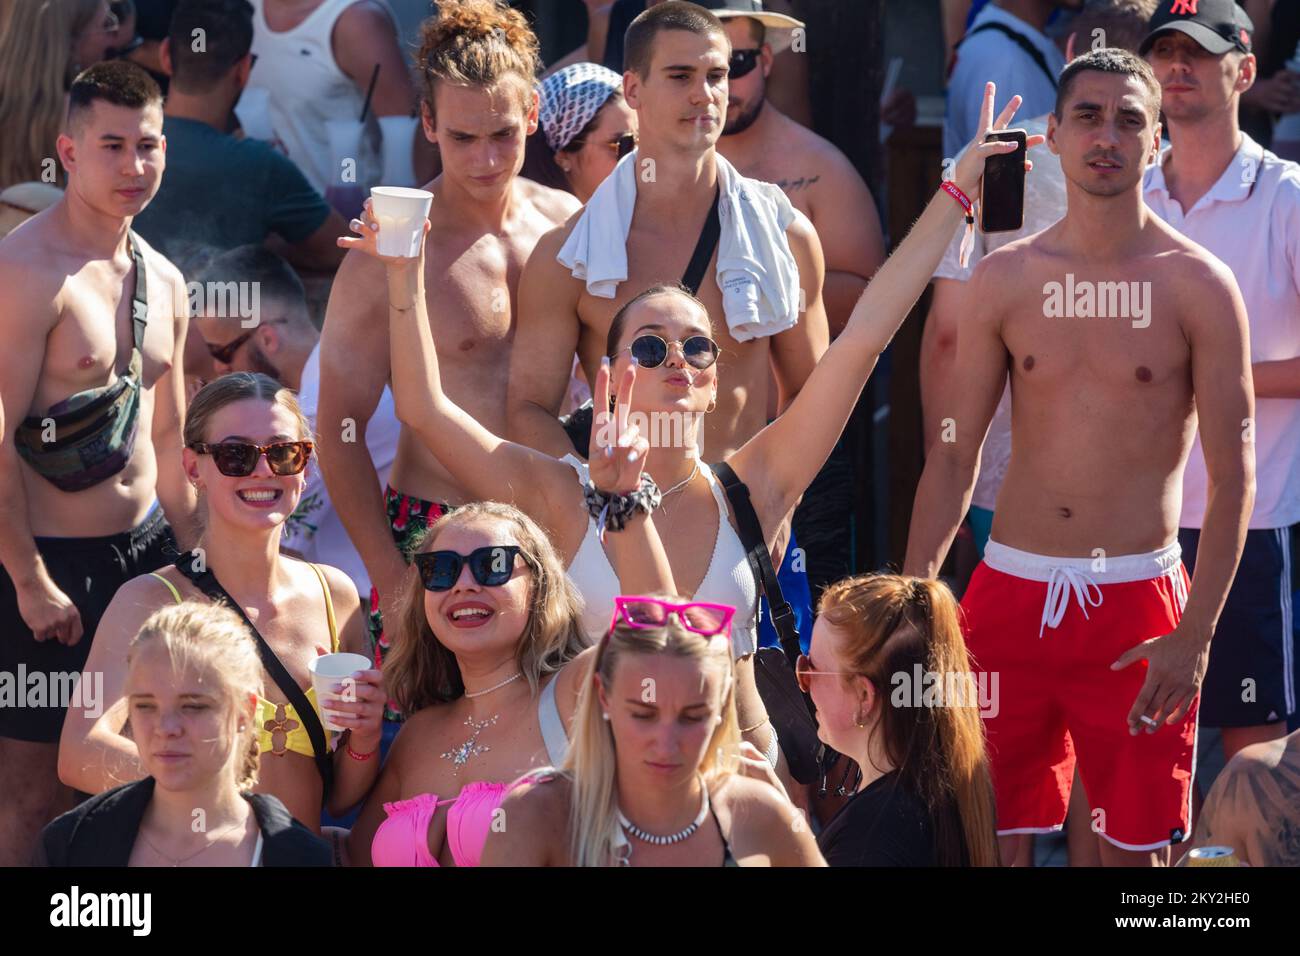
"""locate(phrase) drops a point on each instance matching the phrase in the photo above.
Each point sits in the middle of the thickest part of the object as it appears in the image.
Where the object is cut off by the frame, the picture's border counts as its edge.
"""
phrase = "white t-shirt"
(992, 55)
(1044, 205)
(1250, 219)
(315, 529)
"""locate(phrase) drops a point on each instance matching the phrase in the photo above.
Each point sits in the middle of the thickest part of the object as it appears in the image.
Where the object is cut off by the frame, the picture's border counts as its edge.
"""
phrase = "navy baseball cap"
(1217, 25)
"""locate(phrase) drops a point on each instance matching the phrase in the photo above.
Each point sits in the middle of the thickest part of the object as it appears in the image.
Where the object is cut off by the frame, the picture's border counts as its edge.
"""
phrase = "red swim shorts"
(1048, 629)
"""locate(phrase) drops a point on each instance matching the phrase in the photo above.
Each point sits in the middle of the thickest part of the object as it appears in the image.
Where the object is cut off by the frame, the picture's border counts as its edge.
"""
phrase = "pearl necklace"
(671, 838)
(480, 693)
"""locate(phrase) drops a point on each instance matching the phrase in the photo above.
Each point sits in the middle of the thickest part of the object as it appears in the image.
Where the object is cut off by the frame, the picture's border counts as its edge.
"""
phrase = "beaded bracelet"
(613, 512)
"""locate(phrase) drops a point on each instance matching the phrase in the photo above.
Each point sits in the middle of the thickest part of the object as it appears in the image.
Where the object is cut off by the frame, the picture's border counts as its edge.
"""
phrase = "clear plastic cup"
(328, 670)
(401, 213)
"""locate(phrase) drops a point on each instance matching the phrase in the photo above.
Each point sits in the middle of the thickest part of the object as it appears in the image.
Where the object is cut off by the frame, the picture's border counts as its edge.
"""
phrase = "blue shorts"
(981, 524)
(1251, 677)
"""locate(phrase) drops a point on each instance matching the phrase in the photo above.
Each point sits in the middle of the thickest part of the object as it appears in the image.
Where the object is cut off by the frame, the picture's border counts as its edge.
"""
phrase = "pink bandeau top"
(403, 838)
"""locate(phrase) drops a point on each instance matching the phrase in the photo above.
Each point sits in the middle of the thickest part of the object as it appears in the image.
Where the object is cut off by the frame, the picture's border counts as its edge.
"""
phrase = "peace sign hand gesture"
(617, 453)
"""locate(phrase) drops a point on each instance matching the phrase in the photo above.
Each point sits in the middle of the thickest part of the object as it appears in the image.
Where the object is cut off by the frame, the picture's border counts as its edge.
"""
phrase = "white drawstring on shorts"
(1060, 581)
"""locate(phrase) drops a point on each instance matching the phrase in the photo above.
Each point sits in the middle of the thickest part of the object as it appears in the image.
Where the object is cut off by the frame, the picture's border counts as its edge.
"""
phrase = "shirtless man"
(676, 79)
(1104, 411)
(485, 221)
(1254, 805)
(80, 485)
(765, 144)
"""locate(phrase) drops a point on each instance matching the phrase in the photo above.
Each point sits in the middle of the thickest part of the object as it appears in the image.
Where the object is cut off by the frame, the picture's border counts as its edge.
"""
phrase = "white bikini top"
(728, 580)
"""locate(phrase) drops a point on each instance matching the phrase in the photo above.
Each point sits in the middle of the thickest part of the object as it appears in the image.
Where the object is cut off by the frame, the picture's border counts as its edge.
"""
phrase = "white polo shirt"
(1250, 219)
(992, 55)
(315, 529)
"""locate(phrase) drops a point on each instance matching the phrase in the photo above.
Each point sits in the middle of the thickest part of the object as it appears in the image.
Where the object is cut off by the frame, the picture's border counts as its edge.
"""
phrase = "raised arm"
(489, 467)
(817, 417)
(1214, 319)
(546, 339)
(796, 351)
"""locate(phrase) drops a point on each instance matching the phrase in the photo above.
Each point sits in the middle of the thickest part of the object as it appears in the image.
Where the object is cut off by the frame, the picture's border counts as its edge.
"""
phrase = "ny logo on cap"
(1183, 8)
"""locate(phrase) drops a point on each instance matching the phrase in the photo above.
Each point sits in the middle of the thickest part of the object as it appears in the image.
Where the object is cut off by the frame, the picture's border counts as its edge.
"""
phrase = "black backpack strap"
(207, 582)
(760, 559)
(708, 241)
(1020, 40)
(140, 298)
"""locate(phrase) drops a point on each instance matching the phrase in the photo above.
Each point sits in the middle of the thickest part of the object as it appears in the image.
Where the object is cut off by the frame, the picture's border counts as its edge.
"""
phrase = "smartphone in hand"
(1002, 191)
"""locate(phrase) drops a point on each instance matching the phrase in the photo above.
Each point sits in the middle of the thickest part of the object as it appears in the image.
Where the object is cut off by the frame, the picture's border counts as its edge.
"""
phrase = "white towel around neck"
(756, 270)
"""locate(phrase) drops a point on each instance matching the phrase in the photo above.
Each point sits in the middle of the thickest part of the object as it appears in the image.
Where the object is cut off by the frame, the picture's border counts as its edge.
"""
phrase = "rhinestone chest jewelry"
(459, 756)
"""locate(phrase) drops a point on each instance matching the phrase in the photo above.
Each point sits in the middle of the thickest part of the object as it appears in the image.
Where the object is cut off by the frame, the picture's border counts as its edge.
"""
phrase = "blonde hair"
(36, 71)
(211, 639)
(477, 43)
(591, 762)
(893, 624)
(420, 671)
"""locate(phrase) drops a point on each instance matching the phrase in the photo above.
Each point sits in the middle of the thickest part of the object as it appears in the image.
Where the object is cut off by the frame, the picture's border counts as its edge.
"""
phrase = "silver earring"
(605, 716)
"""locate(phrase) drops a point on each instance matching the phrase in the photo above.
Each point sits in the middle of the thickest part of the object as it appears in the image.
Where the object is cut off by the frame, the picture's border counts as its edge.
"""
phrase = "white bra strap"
(548, 718)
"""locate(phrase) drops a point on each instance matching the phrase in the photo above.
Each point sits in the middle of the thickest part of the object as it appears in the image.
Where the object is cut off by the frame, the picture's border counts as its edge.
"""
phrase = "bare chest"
(91, 344)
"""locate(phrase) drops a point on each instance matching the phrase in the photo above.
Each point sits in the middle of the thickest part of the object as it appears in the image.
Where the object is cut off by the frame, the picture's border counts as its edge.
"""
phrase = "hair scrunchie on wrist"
(612, 512)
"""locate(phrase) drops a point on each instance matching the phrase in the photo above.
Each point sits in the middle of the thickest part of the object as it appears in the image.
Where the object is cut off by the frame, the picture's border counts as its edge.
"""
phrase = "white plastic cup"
(401, 213)
(326, 671)
(254, 113)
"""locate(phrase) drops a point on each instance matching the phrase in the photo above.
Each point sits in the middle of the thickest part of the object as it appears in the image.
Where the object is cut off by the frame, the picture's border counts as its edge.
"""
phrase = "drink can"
(1212, 856)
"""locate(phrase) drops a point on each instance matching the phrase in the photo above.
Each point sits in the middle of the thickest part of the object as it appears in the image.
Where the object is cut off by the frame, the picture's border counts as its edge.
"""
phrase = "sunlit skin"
(116, 156)
(1107, 133)
(480, 134)
(684, 96)
(663, 711)
(259, 422)
(587, 166)
(1195, 82)
(488, 642)
(181, 721)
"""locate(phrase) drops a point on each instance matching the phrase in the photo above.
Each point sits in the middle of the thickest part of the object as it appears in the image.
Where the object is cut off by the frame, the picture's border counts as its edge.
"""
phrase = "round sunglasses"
(238, 459)
(651, 351)
(491, 566)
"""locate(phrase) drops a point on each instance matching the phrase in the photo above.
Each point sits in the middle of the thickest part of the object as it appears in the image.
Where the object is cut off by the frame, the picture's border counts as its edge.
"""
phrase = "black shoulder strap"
(140, 299)
(1021, 41)
(708, 241)
(207, 582)
(760, 559)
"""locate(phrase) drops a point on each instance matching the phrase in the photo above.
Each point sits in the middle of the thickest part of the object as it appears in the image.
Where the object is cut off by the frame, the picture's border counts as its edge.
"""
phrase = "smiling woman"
(247, 447)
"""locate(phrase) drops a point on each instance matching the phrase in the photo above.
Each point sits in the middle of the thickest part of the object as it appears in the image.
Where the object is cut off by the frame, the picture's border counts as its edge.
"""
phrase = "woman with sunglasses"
(664, 336)
(651, 778)
(889, 673)
(584, 128)
(488, 626)
(246, 448)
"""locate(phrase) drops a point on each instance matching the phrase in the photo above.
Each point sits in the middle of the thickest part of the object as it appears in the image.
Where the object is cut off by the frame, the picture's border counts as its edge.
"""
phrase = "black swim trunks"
(89, 571)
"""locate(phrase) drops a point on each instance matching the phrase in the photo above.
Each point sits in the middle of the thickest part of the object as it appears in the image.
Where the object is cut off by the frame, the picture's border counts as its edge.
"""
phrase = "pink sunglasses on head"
(648, 612)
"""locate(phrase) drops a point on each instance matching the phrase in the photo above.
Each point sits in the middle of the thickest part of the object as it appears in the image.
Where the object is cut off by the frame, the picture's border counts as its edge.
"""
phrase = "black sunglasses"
(651, 351)
(225, 353)
(237, 459)
(492, 566)
(742, 62)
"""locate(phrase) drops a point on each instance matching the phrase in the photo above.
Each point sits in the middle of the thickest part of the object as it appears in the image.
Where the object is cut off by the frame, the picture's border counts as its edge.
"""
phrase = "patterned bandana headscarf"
(571, 97)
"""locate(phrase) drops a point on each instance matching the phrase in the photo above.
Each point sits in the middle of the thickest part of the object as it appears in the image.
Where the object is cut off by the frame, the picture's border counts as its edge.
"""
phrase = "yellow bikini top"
(279, 729)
